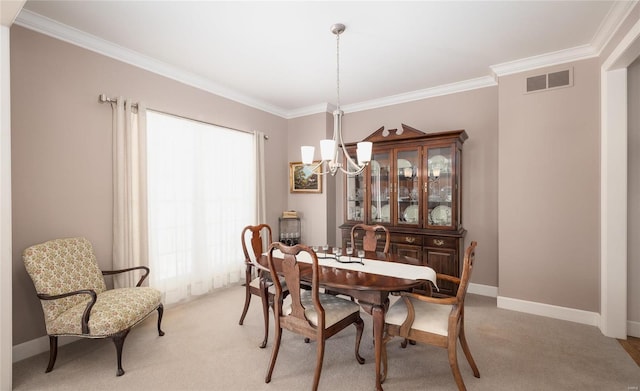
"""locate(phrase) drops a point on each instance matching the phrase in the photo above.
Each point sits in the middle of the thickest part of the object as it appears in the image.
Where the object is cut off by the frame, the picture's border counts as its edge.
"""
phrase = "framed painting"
(302, 179)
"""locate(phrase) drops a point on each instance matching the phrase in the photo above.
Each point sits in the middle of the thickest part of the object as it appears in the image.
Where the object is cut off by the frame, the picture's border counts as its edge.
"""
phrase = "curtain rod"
(103, 98)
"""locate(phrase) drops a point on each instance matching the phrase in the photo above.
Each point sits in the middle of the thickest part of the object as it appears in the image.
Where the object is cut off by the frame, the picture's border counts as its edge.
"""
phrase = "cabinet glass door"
(356, 195)
(381, 190)
(439, 186)
(407, 209)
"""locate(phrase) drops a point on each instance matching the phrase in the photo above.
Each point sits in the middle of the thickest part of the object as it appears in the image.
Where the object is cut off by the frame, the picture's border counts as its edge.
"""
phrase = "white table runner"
(383, 268)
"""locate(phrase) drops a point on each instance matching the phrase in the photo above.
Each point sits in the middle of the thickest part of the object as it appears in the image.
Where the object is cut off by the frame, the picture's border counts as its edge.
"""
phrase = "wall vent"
(549, 81)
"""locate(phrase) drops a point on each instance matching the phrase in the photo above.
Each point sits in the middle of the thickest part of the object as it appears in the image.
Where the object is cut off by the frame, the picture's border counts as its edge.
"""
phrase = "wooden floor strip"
(632, 346)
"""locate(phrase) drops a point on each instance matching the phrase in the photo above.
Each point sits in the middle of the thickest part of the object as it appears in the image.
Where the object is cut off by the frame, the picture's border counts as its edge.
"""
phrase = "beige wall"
(61, 148)
(549, 190)
(313, 208)
(633, 275)
(477, 112)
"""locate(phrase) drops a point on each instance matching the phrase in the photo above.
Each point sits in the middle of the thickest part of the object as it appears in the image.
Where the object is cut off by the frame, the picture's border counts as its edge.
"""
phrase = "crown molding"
(471, 84)
(309, 110)
(544, 60)
(90, 42)
(611, 23)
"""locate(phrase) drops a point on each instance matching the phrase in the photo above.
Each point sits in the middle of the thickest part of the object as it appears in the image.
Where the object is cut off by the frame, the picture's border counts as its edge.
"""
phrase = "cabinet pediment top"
(406, 132)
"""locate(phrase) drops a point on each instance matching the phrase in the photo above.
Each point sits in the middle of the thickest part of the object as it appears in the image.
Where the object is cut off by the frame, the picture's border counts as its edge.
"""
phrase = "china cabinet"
(413, 187)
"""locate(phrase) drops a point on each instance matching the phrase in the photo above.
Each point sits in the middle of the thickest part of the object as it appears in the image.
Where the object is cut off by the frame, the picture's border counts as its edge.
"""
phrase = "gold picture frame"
(300, 182)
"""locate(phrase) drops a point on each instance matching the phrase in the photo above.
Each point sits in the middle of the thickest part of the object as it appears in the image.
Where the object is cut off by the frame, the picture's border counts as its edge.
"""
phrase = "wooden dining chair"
(259, 283)
(433, 321)
(370, 236)
(312, 314)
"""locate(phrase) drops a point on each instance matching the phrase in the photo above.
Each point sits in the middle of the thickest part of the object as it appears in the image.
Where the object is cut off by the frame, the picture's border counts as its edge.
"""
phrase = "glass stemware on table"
(337, 253)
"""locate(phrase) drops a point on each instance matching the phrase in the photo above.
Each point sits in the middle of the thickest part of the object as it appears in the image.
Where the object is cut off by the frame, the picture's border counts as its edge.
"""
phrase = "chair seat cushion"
(115, 310)
(432, 318)
(335, 308)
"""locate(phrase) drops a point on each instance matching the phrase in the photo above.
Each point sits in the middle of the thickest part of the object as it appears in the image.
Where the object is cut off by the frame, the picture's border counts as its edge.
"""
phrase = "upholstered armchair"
(75, 299)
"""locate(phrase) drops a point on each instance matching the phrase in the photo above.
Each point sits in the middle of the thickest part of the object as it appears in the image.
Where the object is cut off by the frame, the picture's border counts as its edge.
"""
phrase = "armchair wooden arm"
(142, 278)
(429, 299)
(87, 311)
(446, 277)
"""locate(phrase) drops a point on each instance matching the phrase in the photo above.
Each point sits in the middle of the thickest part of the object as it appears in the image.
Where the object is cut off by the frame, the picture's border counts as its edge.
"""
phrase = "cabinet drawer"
(415, 240)
(408, 251)
(440, 242)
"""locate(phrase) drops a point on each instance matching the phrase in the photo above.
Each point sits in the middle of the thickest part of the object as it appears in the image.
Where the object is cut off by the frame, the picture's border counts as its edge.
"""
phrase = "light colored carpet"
(205, 349)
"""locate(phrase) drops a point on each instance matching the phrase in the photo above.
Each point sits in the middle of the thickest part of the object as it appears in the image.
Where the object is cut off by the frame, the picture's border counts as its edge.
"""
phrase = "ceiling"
(281, 56)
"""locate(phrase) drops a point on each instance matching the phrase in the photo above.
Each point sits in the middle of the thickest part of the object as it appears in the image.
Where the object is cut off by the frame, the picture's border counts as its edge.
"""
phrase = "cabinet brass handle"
(356, 234)
(409, 239)
(438, 242)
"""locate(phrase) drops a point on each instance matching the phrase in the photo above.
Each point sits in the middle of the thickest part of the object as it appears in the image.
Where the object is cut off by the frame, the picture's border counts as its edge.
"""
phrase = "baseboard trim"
(483, 290)
(633, 328)
(37, 346)
(551, 311)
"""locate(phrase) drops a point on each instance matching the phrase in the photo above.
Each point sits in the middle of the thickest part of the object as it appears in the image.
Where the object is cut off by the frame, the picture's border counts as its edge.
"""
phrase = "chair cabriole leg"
(359, 329)
(274, 353)
(53, 352)
(453, 363)
(247, 300)
(160, 312)
(118, 340)
(319, 360)
(265, 314)
(467, 353)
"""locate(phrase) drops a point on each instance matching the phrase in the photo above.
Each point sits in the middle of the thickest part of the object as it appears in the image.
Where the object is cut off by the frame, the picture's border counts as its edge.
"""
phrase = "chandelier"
(330, 149)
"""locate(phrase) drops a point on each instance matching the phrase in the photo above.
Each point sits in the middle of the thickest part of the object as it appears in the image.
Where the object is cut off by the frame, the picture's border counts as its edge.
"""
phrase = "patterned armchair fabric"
(64, 272)
(61, 266)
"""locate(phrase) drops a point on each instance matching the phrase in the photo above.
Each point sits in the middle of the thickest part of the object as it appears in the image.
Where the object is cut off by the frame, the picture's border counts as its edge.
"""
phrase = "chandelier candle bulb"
(307, 154)
(364, 152)
(327, 149)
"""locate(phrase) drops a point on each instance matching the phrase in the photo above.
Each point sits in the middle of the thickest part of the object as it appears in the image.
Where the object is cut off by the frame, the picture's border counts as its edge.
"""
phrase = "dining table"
(370, 280)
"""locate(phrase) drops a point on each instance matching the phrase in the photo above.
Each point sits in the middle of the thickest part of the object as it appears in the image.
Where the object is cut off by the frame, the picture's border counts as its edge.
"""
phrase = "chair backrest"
(60, 266)
(370, 238)
(467, 268)
(291, 272)
(253, 244)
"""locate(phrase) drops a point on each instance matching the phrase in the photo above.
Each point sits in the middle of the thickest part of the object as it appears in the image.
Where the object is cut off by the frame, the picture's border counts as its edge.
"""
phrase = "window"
(201, 193)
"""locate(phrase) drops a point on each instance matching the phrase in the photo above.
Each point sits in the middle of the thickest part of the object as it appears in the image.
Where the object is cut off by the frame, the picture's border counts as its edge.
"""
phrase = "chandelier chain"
(338, 70)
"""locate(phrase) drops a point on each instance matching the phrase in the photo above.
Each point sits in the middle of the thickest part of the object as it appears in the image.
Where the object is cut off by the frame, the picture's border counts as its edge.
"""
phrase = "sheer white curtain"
(202, 186)
(129, 190)
(261, 195)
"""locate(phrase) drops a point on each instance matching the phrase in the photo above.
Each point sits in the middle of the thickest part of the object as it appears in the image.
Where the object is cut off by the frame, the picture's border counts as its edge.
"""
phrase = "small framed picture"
(302, 179)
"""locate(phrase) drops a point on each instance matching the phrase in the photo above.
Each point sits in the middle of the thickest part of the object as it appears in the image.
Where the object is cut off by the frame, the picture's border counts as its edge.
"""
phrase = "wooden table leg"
(377, 312)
